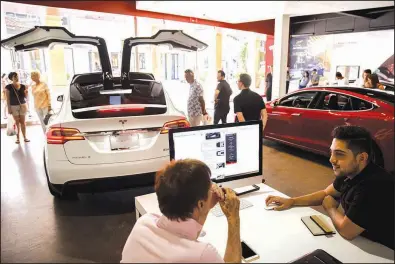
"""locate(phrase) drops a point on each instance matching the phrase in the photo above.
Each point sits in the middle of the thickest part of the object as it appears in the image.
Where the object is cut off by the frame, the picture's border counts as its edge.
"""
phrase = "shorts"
(18, 110)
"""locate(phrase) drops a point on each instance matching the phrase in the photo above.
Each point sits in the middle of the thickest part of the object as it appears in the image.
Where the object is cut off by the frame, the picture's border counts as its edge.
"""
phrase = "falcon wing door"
(43, 37)
(173, 38)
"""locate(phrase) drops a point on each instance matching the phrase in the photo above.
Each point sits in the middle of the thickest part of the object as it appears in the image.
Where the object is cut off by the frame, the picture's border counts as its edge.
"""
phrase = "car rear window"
(91, 101)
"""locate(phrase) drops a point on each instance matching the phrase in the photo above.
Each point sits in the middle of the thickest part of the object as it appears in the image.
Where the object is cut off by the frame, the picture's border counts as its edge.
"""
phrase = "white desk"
(278, 236)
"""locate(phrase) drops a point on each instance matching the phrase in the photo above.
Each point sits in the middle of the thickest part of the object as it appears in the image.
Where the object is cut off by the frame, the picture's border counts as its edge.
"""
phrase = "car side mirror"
(274, 104)
(60, 98)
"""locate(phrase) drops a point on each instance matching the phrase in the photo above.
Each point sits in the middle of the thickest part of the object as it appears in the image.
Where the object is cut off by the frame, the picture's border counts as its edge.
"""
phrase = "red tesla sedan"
(306, 118)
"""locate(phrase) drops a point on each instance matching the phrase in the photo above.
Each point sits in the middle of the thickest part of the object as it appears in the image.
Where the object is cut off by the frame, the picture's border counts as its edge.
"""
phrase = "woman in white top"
(42, 97)
(340, 80)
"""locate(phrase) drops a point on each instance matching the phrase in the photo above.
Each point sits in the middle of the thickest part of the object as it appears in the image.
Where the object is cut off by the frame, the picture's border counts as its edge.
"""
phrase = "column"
(154, 54)
(218, 46)
(58, 78)
(280, 55)
(251, 55)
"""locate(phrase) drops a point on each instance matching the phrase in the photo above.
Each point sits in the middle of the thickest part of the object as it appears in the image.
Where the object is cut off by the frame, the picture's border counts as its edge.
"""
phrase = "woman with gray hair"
(42, 97)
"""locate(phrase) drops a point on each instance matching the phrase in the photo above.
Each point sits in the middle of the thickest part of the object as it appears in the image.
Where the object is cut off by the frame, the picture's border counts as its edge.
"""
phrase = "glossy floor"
(37, 228)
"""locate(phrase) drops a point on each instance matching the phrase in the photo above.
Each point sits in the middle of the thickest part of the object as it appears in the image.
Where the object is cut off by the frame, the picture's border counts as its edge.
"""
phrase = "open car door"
(43, 37)
(173, 38)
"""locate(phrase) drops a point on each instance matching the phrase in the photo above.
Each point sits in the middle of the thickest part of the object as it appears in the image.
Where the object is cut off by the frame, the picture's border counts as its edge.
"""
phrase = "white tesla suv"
(110, 133)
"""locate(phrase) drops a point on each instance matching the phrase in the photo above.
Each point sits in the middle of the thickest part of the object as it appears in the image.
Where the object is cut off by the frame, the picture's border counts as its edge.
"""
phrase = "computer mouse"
(270, 206)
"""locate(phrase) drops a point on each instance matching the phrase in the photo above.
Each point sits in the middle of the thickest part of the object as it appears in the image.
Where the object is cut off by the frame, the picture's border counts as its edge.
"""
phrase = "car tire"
(59, 194)
(378, 157)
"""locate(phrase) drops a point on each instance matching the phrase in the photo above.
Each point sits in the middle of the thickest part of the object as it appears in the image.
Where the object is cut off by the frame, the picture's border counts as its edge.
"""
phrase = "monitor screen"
(231, 151)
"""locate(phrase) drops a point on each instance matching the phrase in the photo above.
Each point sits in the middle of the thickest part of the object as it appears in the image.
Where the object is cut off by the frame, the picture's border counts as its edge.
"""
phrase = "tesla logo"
(123, 121)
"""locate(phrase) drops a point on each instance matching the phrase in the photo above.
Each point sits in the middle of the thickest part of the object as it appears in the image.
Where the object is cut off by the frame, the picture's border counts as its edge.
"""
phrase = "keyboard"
(217, 211)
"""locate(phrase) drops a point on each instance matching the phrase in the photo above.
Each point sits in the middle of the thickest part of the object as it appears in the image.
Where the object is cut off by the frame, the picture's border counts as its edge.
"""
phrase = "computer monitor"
(232, 151)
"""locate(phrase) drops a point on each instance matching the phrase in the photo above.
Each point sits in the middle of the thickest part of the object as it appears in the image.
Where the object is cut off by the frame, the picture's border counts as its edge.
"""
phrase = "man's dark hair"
(245, 79)
(222, 73)
(374, 78)
(338, 75)
(314, 70)
(358, 138)
(189, 71)
(11, 75)
(180, 186)
(368, 71)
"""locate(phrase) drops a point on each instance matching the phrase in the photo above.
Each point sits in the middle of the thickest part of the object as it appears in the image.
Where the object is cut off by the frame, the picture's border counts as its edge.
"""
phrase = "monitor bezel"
(206, 127)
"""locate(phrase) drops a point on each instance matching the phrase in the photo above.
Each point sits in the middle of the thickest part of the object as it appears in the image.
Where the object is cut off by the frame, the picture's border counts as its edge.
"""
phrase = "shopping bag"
(11, 127)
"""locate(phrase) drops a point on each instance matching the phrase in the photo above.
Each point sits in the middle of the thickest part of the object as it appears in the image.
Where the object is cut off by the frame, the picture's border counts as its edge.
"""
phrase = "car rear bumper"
(63, 172)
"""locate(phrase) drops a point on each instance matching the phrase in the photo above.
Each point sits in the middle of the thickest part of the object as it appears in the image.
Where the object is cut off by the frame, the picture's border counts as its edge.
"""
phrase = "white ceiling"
(247, 11)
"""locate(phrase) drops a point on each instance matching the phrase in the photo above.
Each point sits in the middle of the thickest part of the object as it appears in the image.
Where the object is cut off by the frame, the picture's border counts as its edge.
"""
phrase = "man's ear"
(363, 157)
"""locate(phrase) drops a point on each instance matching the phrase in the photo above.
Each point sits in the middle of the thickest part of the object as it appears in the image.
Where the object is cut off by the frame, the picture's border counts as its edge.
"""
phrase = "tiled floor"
(37, 228)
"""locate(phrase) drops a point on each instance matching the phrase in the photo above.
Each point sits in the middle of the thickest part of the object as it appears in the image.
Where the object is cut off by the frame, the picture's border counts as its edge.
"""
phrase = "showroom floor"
(36, 228)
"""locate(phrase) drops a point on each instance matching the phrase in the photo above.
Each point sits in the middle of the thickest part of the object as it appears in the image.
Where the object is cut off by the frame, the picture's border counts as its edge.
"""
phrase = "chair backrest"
(333, 102)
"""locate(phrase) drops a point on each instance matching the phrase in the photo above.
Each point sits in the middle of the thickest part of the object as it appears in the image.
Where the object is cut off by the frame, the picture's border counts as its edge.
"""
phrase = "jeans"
(41, 113)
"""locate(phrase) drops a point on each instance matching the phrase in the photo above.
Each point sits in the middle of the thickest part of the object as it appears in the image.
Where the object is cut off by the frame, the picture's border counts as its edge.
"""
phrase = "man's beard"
(349, 173)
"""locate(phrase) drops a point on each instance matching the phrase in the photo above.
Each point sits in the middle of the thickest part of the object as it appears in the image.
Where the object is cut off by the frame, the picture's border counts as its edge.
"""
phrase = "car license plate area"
(124, 141)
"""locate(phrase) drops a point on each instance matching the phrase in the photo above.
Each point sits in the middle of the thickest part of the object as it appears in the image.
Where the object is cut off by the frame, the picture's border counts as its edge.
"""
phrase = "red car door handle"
(345, 119)
(295, 114)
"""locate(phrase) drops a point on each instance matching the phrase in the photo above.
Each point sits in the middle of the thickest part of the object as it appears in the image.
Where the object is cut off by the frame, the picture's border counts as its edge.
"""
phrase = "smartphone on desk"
(247, 253)
(246, 189)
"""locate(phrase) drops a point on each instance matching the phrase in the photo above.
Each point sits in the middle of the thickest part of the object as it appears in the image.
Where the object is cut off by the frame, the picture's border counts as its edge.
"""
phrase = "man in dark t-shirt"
(222, 96)
(269, 81)
(248, 105)
(361, 199)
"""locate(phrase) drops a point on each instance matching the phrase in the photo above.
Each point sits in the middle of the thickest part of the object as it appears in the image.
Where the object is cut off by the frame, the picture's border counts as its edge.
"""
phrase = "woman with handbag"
(42, 98)
(16, 94)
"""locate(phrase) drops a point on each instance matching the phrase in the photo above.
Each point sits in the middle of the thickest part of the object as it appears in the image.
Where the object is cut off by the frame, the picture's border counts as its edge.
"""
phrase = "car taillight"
(60, 135)
(174, 124)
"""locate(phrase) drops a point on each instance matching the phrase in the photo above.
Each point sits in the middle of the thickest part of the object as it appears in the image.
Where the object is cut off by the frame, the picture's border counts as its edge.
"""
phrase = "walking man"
(249, 105)
(315, 78)
(221, 99)
(196, 105)
(269, 80)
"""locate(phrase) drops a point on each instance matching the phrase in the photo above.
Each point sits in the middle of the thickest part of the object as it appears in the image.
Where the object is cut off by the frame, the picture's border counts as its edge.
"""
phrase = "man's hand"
(231, 204)
(282, 203)
(217, 195)
(329, 202)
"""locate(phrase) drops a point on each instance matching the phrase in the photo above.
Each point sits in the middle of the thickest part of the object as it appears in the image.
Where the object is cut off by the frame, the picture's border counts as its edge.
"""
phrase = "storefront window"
(60, 63)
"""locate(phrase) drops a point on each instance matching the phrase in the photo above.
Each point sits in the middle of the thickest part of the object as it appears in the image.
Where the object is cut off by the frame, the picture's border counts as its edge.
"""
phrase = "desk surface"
(280, 236)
